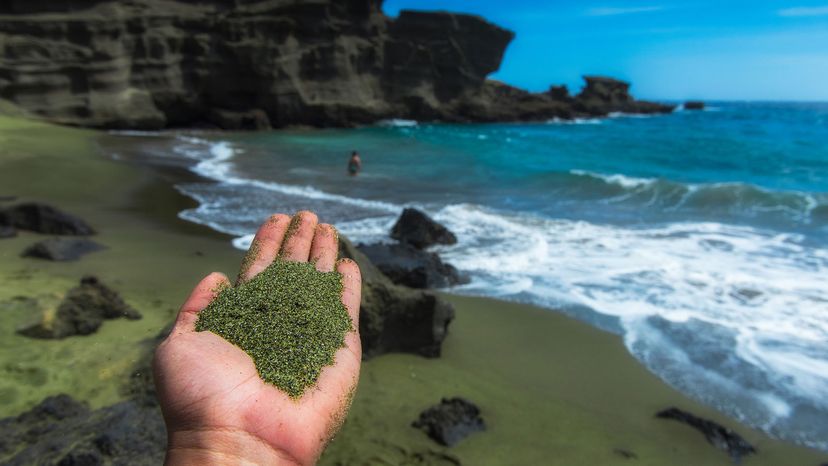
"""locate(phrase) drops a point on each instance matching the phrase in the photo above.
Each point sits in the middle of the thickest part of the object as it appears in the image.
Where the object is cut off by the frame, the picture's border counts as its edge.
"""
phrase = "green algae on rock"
(289, 318)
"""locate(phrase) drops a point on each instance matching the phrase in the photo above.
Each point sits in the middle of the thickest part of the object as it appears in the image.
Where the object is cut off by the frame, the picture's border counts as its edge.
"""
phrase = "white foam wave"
(763, 287)
(243, 242)
(618, 179)
(398, 123)
(215, 162)
(575, 121)
(630, 115)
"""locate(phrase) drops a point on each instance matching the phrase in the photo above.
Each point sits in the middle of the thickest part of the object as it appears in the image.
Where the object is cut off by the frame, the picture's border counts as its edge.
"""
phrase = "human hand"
(216, 407)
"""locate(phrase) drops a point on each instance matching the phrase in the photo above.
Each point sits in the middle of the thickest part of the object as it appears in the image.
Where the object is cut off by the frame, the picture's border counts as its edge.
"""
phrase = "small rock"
(420, 230)
(7, 231)
(409, 266)
(450, 421)
(694, 105)
(719, 436)
(62, 249)
(82, 312)
(43, 218)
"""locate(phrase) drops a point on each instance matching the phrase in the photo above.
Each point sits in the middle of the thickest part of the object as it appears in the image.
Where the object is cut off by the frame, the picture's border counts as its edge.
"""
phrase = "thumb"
(199, 298)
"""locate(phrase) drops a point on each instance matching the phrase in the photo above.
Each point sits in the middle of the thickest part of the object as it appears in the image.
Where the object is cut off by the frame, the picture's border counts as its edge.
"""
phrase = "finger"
(200, 297)
(324, 247)
(265, 246)
(351, 288)
(299, 237)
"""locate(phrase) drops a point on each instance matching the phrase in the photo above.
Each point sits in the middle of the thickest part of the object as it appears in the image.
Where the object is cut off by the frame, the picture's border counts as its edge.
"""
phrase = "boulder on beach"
(419, 230)
(408, 266)
(694, 105)
(394, 318)
(43, 218)
(82, 311)
(719, 436)
(62, 249)
(450, 421)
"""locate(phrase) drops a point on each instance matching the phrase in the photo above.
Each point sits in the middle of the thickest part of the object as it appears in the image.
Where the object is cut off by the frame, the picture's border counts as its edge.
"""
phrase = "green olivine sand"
(289, 318)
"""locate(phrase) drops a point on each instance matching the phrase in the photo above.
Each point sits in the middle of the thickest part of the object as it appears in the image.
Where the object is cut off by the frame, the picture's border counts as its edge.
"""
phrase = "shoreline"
(539, 377)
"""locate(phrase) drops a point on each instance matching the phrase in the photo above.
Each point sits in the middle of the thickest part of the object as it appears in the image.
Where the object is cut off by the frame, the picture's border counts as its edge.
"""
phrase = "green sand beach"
(552, 390)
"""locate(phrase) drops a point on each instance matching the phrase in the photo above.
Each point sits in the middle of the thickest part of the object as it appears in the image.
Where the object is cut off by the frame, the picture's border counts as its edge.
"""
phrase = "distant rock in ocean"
(150, 64)
(694, 105)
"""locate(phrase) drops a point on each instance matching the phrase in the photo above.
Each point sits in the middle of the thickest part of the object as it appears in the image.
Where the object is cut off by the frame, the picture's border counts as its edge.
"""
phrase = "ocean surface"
(700, 237)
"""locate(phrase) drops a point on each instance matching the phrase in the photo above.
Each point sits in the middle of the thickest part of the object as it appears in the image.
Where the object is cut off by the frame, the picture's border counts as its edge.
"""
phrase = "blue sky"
(723, 49)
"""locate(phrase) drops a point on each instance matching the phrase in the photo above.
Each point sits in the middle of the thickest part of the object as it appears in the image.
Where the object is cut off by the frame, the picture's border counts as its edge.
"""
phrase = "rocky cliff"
(152, 64)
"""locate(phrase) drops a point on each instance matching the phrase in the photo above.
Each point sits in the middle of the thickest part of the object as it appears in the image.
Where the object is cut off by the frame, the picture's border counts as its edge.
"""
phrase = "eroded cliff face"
(152, 64)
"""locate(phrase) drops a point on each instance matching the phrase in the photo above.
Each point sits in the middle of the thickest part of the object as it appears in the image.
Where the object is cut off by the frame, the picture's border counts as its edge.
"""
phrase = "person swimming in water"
(354, 164)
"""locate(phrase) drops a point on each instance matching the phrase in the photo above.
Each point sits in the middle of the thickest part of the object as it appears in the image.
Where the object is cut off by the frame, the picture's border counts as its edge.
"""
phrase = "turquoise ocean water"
(700, 237)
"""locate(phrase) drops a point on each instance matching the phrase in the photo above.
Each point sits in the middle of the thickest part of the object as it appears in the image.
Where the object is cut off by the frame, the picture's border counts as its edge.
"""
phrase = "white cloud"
(614, 11)
(805, 11)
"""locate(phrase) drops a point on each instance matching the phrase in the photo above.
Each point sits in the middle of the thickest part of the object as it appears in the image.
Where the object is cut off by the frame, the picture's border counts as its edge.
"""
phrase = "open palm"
(216, 407)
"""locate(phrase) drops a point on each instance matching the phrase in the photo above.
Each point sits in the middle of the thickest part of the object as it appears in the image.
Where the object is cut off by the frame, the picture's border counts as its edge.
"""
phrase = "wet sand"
(552, 390)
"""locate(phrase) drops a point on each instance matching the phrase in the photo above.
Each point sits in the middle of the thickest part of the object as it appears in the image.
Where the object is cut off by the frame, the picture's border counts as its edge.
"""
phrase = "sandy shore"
(552, 390)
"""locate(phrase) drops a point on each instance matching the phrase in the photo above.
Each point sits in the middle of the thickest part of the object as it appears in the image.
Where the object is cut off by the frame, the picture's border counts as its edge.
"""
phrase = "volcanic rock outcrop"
(250, 64)
(397, 319)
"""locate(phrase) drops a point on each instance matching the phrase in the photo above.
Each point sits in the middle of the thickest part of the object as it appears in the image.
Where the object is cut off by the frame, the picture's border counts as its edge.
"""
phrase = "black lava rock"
(54, 408)
(394, 318)
(694, 105)
(43, 218)
(450, 421)
(421, 231)
(63, 431)
(719, 436)
(409, 266)
(82, 311)
(62, 249)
